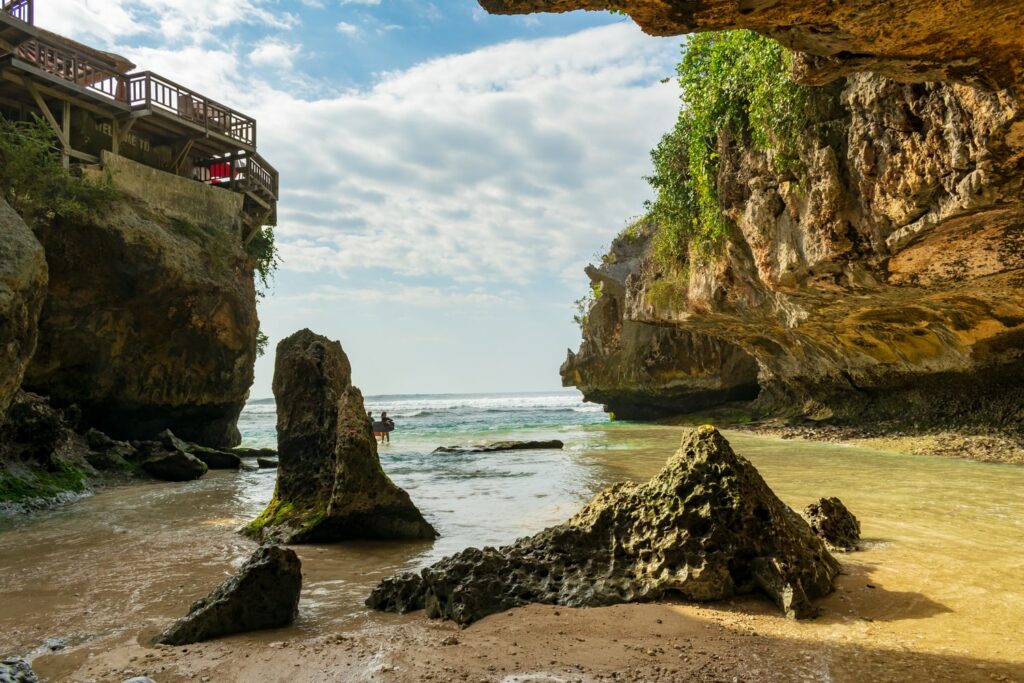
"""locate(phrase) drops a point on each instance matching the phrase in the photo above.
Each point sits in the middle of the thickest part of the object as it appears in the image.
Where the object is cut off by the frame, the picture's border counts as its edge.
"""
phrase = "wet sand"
(935, 595)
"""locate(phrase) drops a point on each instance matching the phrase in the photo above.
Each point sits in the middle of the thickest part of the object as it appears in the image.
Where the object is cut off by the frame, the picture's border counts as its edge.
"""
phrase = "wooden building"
(96, 101)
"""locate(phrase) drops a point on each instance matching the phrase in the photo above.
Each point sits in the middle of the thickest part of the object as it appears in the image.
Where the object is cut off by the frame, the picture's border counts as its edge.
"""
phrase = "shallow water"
(945, 537)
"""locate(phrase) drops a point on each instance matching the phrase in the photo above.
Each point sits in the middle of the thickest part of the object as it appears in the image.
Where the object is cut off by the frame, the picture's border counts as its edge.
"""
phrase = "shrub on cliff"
(737, 81)
(35, 183)
(263, 249)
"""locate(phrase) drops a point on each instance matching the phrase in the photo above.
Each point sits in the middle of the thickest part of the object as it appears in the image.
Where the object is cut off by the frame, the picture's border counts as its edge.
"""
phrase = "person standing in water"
(389, 424)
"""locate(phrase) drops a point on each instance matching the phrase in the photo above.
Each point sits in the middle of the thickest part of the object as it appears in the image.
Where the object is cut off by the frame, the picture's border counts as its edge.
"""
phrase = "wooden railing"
(148, 90)
(75, 67)
(21, 9)
(142, 90)
(262, 174)
(243, 172)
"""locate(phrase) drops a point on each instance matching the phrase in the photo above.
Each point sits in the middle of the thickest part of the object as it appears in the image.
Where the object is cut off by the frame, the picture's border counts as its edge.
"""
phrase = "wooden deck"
(210, 141)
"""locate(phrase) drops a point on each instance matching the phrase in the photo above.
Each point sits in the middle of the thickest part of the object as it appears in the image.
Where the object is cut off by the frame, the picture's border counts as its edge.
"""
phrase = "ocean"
(475, 498)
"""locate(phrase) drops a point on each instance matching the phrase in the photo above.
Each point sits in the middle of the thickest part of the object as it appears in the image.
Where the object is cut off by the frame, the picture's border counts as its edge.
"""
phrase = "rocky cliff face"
(149, 322)
(969, 41)
(884, 280)
(22, 290)
(643, 371)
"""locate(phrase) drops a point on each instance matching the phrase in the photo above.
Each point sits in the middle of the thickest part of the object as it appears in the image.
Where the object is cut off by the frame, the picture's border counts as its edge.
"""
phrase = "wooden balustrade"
(21, 9)
(74, 67)
(148, 90)
(244, 172)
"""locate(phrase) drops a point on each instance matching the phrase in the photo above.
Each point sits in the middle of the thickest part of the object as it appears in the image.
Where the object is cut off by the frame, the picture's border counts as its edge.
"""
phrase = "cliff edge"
(150, 316)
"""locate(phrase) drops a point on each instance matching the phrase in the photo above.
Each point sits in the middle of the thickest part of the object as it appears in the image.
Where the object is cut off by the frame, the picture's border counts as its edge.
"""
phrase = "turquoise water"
(430, 420)
(474, 498)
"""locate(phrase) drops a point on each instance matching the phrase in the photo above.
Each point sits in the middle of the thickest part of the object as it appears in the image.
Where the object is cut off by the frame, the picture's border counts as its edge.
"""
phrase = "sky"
(446, 174)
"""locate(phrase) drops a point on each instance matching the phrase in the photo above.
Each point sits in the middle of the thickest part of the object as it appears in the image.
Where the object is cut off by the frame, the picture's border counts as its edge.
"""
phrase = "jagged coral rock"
(975, 41)
(705, 528)
(263, 594)
(833, 523)
(330, 485)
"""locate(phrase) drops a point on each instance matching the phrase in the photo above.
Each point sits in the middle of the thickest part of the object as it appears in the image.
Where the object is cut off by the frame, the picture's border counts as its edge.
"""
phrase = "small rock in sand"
(833, 523)
(263, 594)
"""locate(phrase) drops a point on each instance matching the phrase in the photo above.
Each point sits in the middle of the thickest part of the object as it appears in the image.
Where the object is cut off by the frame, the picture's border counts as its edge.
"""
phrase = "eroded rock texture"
(330, 485)
(971, 41)
(263, 594)
(705, 528)
(644, 371)
(42, 459)
(17, 670)
(833, 523)
(22, 291)
(881, 281)
(149, 323)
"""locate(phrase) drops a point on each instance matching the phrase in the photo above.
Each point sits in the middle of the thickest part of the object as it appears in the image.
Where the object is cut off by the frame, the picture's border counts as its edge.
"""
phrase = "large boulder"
(168, 459)
(330, 485)
(833, 523)
(705, 528)
(23, 278)
(263, 594)
(215, 458)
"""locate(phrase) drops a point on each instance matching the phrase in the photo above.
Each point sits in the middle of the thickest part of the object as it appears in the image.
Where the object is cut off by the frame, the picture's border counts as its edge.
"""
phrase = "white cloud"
(347, 28)
(171, 20)
(360, 2)
(275, 53)
(406, 295)
(494, 165)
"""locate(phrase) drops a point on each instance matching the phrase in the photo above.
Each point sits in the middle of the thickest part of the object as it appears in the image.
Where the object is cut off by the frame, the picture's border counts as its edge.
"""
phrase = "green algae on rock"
(707, 527)
(330, 485)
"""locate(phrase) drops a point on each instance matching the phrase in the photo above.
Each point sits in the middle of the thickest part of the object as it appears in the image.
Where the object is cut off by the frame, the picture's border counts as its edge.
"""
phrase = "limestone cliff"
(22, 290)
(884, 277)
(643, 371)
(968, 41)
(150, 315)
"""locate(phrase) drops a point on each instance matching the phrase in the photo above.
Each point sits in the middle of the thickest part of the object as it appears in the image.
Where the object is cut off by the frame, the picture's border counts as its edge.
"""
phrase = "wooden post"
(115, 138)
(67, 135)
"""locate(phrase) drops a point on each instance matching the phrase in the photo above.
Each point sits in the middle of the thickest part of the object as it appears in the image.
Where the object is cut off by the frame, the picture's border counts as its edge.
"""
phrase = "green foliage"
(583, 304)
(735, 81)
(35, 183)
(261, 342)
(263, 248)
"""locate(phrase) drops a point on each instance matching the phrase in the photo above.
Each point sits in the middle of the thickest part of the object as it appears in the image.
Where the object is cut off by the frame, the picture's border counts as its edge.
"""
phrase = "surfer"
(389, 424)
